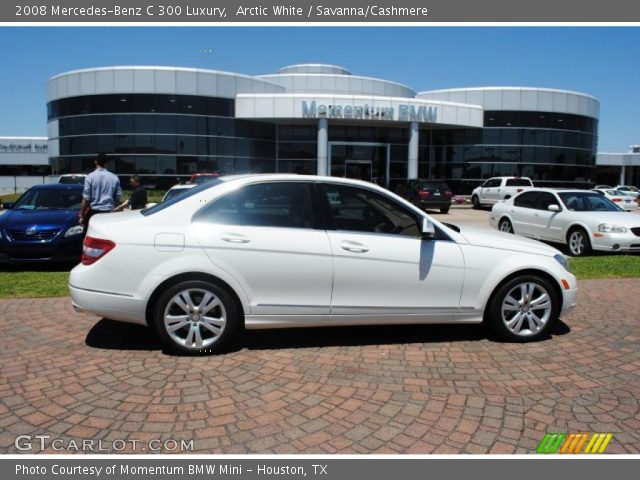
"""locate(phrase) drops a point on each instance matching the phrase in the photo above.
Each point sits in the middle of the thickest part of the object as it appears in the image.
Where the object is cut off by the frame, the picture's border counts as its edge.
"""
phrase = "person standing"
(101, 192)
(138, 199)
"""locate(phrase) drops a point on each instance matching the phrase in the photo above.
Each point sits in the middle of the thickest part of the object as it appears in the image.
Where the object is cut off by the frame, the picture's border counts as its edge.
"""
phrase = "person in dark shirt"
(138, 198)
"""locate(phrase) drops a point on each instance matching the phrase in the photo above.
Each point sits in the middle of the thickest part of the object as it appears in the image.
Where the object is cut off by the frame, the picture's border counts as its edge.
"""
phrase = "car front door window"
(361, 210)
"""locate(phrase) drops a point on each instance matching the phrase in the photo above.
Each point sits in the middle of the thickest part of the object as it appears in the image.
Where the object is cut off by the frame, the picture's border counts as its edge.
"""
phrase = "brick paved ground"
(413, 389)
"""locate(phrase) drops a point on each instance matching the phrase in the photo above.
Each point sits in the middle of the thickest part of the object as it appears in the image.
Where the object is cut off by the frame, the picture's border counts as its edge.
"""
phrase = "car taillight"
(617, 199)
(93, 249)
(423, 193)
(448, 194)
(518, 190)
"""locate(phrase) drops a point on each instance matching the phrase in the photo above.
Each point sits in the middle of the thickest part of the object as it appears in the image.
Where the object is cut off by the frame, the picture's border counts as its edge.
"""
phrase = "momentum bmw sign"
(403, 113)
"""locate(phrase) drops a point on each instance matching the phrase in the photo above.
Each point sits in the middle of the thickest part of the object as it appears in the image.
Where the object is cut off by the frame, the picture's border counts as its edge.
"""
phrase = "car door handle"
(235, 239)
(354, 247)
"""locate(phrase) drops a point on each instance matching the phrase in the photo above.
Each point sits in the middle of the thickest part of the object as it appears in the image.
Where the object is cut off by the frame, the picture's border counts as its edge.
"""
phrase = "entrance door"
(361, 160)
(359, 169)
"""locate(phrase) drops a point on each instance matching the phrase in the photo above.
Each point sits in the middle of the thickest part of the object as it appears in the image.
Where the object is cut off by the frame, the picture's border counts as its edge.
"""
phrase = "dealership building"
(164, 122)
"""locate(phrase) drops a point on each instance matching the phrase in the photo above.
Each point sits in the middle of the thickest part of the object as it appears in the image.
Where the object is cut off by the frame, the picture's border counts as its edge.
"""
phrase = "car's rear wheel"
(444, 210)
(578, 242)
(196, 317)
(505, 226)
(475, 201)
(523, 309)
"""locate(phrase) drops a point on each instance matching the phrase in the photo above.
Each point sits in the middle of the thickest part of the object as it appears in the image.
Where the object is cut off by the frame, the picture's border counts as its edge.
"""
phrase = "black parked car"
(426, 194)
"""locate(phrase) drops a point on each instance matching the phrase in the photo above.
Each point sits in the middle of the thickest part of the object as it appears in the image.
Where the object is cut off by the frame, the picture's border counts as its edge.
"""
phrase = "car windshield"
(587, 202)
(50, 199)
(72, 180)
(178, 198)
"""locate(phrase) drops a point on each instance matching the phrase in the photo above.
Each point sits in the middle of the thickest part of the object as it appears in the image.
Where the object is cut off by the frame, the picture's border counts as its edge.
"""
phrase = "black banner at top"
(318, 11)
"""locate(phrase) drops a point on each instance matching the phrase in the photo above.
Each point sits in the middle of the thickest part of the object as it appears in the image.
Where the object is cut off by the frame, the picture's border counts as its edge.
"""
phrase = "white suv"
(270, 251)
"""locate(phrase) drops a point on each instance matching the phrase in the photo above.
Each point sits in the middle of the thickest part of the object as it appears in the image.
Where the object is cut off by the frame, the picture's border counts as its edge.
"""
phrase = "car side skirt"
(256, 322)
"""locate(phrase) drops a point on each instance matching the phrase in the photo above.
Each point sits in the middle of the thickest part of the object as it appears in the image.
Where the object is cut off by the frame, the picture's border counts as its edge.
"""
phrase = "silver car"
(581, 219)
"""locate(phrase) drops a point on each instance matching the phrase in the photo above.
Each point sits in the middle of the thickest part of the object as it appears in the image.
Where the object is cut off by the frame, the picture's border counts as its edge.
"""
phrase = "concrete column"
(622, 175)
(414, 139)
(323, 146)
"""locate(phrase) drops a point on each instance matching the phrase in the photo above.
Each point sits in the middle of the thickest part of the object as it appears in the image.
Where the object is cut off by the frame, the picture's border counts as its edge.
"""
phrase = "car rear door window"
(518, 182)
(527, 200)
(361, 210)
(276, 204)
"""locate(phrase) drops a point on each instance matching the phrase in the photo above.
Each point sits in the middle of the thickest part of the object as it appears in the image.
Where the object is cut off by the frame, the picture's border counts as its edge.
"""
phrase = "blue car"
(42, 226)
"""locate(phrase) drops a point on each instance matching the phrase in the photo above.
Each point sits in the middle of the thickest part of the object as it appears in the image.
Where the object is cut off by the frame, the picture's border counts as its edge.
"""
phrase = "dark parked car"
(426, 194)
(42, 226)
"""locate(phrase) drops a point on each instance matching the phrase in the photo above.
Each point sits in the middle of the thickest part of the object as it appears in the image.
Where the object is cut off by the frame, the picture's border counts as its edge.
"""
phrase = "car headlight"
(605, 227)
(77, 230)
(562, 260)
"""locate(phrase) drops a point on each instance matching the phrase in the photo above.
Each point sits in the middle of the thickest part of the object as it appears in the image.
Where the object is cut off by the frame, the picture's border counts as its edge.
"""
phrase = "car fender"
(478, 288)
(190, 264)
(577, 223)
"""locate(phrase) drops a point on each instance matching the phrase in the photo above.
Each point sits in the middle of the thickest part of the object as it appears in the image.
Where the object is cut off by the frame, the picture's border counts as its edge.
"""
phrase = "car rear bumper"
(109, 305)
(434, 204)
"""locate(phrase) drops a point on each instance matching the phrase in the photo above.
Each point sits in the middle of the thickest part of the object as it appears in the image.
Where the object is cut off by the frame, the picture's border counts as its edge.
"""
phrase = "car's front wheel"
(475, 201)
(578, 242)
(523, 309)
(196, 317)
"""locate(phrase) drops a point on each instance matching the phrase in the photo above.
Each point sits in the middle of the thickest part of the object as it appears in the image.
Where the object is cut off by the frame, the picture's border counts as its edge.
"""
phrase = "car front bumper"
(615, 242)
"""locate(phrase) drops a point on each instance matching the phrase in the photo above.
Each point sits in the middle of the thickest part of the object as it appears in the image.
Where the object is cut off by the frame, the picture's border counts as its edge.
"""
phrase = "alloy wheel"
(526, 309)
(505, 226)
(577, 243)
(195, 318)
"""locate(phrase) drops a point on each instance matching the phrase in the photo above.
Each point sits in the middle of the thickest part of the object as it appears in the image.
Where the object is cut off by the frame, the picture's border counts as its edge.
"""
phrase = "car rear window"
(434, 185)
(178, 198)
(519, 182)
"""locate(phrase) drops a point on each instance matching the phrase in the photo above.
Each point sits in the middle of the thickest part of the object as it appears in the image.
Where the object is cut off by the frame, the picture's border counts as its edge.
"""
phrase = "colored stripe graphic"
(574, 442)
(551, 442)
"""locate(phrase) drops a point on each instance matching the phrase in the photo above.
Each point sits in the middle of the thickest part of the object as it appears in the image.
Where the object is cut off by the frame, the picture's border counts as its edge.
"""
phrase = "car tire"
(505, 226)
(475, 201)
(523, 309)
(578, 242)
(444, 210)
(205, 314)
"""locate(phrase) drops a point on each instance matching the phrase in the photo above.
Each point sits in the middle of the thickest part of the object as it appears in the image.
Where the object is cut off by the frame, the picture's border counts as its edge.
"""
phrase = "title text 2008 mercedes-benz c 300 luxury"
(269, 251)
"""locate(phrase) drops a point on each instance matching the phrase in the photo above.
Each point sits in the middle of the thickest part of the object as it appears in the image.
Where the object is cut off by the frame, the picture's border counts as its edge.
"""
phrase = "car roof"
(183, 186)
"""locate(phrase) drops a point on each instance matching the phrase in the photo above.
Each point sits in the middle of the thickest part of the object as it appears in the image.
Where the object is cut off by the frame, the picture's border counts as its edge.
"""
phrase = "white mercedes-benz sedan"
(583, 220)
(273, 251)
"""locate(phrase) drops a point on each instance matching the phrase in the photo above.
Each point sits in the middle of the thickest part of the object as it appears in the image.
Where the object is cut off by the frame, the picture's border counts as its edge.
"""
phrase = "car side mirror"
(553, 208)
(8, 205)
(428, 230)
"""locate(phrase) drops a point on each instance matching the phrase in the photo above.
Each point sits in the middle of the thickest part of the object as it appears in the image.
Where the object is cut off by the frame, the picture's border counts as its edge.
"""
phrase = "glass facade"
(554, 149)
(160, 136)
(178, 135)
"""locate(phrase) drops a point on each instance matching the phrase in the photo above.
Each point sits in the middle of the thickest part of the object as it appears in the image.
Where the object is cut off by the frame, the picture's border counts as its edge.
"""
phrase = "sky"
(600, 61)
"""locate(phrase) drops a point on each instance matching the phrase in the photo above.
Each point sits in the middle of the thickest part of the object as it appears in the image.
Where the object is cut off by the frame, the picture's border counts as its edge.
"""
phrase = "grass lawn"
(34, 283)
(606, 266)
(52, 281)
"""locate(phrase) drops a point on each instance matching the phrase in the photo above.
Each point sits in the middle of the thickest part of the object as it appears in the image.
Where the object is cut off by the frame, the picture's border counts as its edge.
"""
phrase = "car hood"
(625, 219)
(22, 219)
(505, 241)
